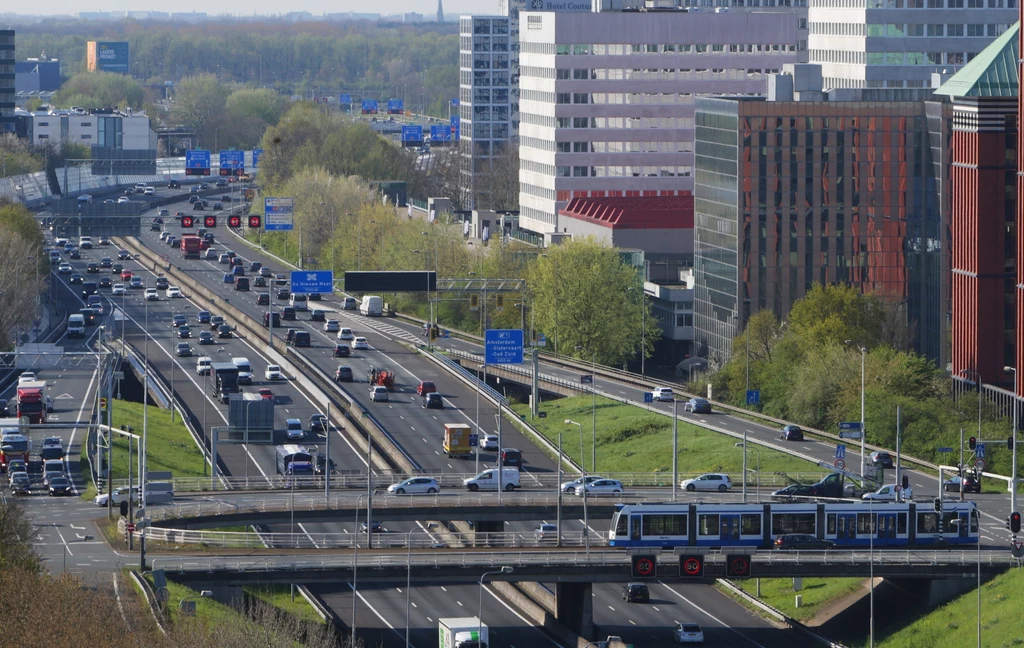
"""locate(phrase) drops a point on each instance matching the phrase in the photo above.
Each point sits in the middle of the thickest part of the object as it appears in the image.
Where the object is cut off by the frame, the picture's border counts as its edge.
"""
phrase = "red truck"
(191, 246)
(32, 401)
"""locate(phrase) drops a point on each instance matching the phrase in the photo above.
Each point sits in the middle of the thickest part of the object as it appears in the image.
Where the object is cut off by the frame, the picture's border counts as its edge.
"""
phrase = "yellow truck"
(456, 440)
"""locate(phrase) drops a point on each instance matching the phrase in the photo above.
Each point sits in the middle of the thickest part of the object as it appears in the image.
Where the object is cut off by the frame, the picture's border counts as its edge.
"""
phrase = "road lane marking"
(710, 616)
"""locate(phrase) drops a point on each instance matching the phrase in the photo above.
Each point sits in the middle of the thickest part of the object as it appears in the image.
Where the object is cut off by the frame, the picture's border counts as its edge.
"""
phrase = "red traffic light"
(234, 221)
(1015, 522)
(210, 221)
(255, 222)
(187, 221)
(691, 566)
(644, 566)
(738, 566)
(972, 443)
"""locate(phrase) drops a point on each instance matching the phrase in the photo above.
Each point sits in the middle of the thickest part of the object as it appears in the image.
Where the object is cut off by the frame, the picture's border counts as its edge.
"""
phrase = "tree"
(18, 156)
(198, 100)
(503, 180)
(100, 90)
(836, 313)
(20, 283)
(449, 176)
(580, 294)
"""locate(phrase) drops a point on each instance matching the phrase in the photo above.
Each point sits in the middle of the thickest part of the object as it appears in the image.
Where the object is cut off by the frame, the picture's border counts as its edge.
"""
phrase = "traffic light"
(499, 301)
(643, 566)
(972, 443)
(738, 566)
(937, 503)
(210, 221)
(1015, 522)
(255, 222)
(187, 221)
(691, 566)
(234, 221)
(1009, 443)
(123, 508)
(474, 302)
(906, 482)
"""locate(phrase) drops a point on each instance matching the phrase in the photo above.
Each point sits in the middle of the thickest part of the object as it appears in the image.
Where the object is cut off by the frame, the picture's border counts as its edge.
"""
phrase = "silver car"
(415, 485)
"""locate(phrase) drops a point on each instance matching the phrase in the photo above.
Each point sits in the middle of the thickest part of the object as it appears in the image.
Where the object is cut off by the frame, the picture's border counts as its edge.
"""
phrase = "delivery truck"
(32, 401)
(456, 440)
(191, 246)
(464, 632)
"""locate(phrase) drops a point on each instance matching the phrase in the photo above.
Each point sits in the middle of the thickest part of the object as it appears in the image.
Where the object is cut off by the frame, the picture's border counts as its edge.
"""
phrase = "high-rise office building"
(900, 43)
(7, 81)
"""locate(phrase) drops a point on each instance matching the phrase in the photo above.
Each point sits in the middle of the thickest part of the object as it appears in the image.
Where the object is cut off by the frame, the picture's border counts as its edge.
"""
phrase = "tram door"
(846, 528)
(634, 528)
(964, 527)
(886, 528)
(729, 528)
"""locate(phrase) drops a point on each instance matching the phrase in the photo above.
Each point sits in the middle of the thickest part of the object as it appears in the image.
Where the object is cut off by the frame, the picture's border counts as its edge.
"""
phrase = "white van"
(242, 364)
(204, 365)
(76, 325)
(488, 480)
(85, 242)
(349, 303)
(372, 306)
(298, 302)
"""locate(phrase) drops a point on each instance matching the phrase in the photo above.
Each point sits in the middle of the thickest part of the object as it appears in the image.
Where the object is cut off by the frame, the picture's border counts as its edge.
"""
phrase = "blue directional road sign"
(648, 397)
(312, 281)
(197, 163)
(277, 214)
(979, 451)
(412, 133)
(753, 396)
(944, 449)
(345, 98)
(232, 159)
(440, 133)
(840, 451)
(503, 346)
(850, 425)
(256, 155)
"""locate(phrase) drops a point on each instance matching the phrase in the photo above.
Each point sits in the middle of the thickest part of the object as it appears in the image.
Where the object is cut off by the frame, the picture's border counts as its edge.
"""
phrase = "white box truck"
(464, 632)
(371, 306)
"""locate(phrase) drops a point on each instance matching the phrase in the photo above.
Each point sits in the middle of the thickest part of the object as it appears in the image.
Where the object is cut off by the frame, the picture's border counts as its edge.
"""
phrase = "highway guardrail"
(778, 614)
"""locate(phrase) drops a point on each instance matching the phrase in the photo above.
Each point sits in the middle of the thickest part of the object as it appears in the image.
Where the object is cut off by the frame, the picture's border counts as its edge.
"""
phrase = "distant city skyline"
(452, 8)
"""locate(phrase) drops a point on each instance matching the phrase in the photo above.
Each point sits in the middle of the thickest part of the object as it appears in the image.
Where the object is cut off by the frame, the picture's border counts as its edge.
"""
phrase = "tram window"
(947, 522)
(830, 524)
(901, 523)
(621, 526)
(866, 523)
(793, 523)
(750, 524)
(707, 525)
(974, 521)
(927, 522)
(659, 525)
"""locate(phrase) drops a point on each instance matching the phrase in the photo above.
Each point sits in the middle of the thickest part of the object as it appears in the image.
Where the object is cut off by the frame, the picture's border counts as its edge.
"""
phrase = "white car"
(122, 200)
(685, 633)
(293, 428)
(26, 376)
(663, 394)
(118, 289)
(490, 442)
(379, 393)
(707, 482)
(570, 486)
(273, 372)
(120, 495)
(346, 334)
(64, 268)
(149, 191)
(360, 343)
(888, 493)
(173, 292)
(332, 326)
(415, 485)
(601, 487)
(152, 294)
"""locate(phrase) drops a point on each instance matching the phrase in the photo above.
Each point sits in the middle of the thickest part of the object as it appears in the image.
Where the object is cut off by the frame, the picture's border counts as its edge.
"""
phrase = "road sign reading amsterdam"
(503, 346)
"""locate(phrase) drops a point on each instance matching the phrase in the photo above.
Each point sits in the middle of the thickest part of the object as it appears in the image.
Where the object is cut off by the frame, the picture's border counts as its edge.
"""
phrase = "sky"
(315, 7)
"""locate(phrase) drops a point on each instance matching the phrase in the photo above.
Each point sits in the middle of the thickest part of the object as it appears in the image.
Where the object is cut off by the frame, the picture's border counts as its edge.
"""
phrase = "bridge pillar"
(574, 607)
(482, 529)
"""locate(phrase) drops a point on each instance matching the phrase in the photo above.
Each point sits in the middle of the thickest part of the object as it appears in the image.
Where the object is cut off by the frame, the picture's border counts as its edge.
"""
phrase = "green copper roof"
(992, 73)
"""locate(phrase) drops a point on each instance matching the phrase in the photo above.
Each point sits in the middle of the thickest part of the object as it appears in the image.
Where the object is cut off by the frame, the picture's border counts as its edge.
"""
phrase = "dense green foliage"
(17, 156)
(22, 274)
(808, 369)
(91, 90)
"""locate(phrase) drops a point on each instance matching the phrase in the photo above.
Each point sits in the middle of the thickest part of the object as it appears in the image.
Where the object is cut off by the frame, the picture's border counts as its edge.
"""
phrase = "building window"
(579, 172)
(534, 22)
(86, 136)
(563, 171)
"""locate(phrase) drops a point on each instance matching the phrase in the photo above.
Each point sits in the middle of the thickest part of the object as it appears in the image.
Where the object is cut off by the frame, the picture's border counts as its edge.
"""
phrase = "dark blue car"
(229, 278)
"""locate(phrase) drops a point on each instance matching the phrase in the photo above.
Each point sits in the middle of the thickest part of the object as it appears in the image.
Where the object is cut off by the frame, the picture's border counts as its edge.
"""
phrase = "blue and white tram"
(850, 524)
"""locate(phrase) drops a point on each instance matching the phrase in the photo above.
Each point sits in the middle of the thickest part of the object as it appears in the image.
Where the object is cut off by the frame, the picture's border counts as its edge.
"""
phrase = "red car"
(126, 275)
(425, 387)
(265, 393)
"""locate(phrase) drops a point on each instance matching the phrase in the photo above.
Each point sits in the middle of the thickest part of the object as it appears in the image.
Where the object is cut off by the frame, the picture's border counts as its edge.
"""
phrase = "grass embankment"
(817, 593)
(280, 597)
(633, 439)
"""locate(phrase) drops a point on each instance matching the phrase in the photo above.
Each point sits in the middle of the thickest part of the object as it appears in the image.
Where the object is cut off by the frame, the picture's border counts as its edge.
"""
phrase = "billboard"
(104, 56)
(396, 106)
(369, 106)
(562, 6)
(440, 134)
(378, 282)
(197, 163)
(277, 214)
(412, 135)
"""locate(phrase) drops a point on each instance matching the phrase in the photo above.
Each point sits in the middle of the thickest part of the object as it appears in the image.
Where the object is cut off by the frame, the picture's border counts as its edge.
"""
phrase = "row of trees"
(23, 272)
(226, 115)
(808, 370)
(92, 90)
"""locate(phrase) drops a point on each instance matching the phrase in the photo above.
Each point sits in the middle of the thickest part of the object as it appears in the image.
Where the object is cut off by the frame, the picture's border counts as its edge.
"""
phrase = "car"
(77, 278)
(425, 387)
(600, 487)
(794, 491)
(117, 289)
(74, 253)
(415, 485)
(222, 182)
(317, 315)
(173, 292)
(360, 343)
(490, 442)
(236, 260)
(433, 401)
(119, 495)
(124, 255)
(262, 299)
(64, 268)
(217, 205)
(123, 200)
(116, 268)
(372, 527)
(788, 541)
(105, 282)
(288, 313)
(215, 321)
(174, 184)
(636, 593)
(792, 433)
(887, 493)
(106, 262)
(378, 393)
(344, 374)
(59, 486)
(126, 275)
(49, 453)
(687, 633)
(203, 317)
(161, 283)
(224, 258)
(293, 428)
(198, 206)
(545, 533)
(224, 332)
(289, 334)
(318, 423)
(283, 294)
(663, 394)
(238, 271)
(273, 372)
(136, 283)
(178, 320)
(331, 326)
(152, 294)
(346, 334)
(245, 378)
(697, 406)
(260, 282)
(209, 254)
(184, 331)
(229, 278)
(17, 465)
(883, 459)
(225, 198)
(265, 392)
(149, 191)
(971, 485)
(21, 484)
(193, 190)
(206, 337)
(104, 240)
(708, 482)
(570, 486)
(183, 350)
(265, 273)
(92, 268)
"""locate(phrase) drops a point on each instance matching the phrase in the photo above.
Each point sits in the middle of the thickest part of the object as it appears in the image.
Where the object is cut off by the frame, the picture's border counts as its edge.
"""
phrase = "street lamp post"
(593, 391)
(583, 472)
(863, 432)
(408, 579)
(757, 469)
(977, 376)
(479, 432)
(506, 569)
(1013, 438)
